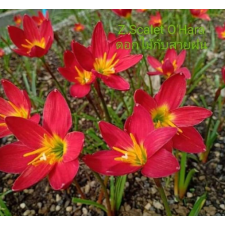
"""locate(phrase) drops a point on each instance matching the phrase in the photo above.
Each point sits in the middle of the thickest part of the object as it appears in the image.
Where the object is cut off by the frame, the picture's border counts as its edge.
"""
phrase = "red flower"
(105, 60)
(42, 151)
(79, 27)
(2, 53)
(18, 20)
(73, 72)
(221, 32)
(223, 73)
(141, 10)
(139, 146)
(155, 21)
(32, 41)
(165, 112)
(18, 105)
(123, 12)
(200, 13)
(170, 65)
(40, 18)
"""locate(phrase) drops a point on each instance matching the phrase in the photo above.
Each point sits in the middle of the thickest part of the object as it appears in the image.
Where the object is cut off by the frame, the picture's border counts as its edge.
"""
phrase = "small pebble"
(58, 198)
(153, 190)
(143, 178)
(222, 206)
(57, 208)
(127, 207)
(30, 191)
(69, 208)
(32, 212)
(52, 209)
(85, 212)
(217, 145)
(22, 205)
(189, 195)
(87, 188)
(158, 205)
(201, 178)
(39, 204)
(148, 206)
(26, 213)
(93, 183)
(130, 176)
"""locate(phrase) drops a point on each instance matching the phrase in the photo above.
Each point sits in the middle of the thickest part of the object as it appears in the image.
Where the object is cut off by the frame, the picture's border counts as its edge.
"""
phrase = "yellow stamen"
(106, 66)
(135, 155)
(51, 152)
(19, 112)
(162, 117)
(40, 43)
(83, 76)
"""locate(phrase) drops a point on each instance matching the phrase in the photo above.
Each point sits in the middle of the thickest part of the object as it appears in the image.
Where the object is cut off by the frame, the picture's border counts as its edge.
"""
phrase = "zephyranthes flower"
(156, 20)
(170, 65)
(73, 72)
(18, 105)
(137, 147)
(165, 112)
(104, 58)
(18, 20)
(43, 150)
(200, 13)
(220, 32)
(33, 41)
(123, 12)
(40, 18)
(78, 27)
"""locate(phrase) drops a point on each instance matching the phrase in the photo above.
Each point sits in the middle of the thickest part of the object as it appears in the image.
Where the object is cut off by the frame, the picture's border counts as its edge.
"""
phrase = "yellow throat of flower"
(40, 43)
(106, 66)
(162, 117)
(51, 152)
(83, 76)
(136, 156)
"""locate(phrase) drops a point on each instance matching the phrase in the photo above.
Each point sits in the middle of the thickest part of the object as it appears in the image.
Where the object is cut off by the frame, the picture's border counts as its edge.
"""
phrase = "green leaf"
(89, 202)
(119, 190)
(4, 211)
(198, 205)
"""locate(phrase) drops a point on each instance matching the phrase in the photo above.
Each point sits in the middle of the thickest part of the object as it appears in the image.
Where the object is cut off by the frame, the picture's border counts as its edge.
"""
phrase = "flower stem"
(93, 105)
(102, 192)
(98, 89)
(79, 189)
(163, 196)
(109, 211)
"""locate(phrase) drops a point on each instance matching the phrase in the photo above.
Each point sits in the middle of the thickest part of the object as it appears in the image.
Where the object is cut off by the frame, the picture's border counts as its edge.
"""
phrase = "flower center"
(106, 66)
(83, 76)
(52, 151)
(163, 118)
(18, 112)
(136, 156)
(40, 43)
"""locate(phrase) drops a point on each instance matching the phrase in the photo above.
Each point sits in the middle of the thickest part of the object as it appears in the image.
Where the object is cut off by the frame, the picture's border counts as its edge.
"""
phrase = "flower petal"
(116, 82)
(12, 159)
(31, 176)
(4, 131)
(5, 108)
(113, 136)
(181, 58)
(144, 99)
(189, 141)
(35, 118)
(74, 142)
(161, 164)
(140, 124)
(104, 162)
(30, 29)
(171, 54)
(80, 91)
(67, 73)
(127, 62)
(157, 139)
(190, 115)
(167, 68)
(56, 114)
(84, 56)
(62, 175)
(172, 92)
(17, 36)
(185, 71)
(154, 62)
(99, 43)
(26, 131)
(15, 95)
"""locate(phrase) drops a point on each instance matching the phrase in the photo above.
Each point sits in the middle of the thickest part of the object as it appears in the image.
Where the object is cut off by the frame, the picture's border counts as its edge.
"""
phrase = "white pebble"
(85, 212)
(148, 206)
(26, 213)
(22, 205)
(158, 205)
(69, 208)
(57, 208)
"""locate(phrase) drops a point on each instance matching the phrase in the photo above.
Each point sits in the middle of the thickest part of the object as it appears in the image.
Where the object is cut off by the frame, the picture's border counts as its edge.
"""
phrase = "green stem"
(109, 211)
(163, 196)
(93, 105)
(98, 89)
